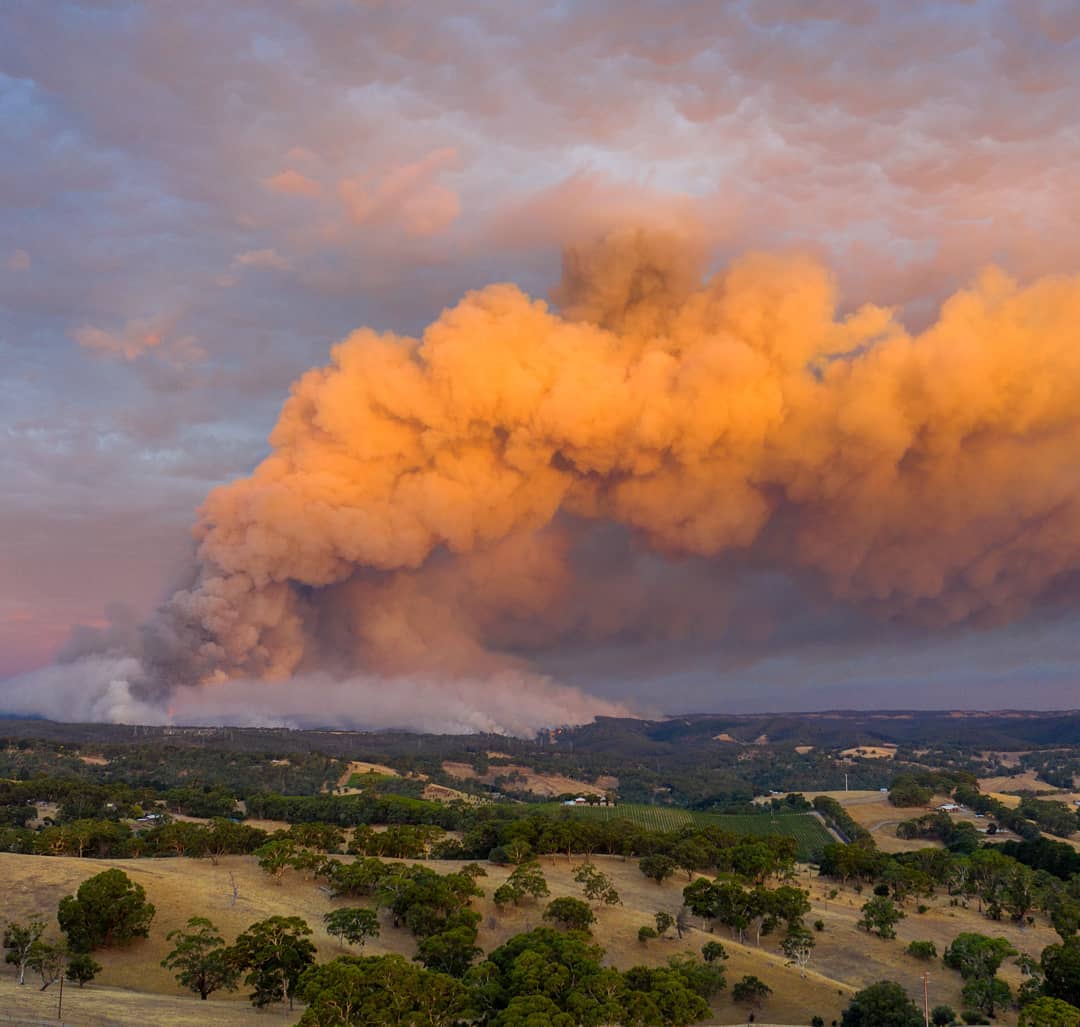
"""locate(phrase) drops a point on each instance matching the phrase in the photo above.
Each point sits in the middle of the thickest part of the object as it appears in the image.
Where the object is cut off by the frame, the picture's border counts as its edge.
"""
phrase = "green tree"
(976, 955)
(942, 1016)
(535, 1011)
(646, 933)
(199, 958)
(108, 908)
(711, 951)
(352, 924)
(657, 867)
(1049, 1012)
(19, 941)
(881, 915)
(664, 923)
(1061, 969)
(274, 952)
(379, 991)
(571, 913)
(986, 994)
(884, 1004)
(450, 952)
(751, 990)
(666, 995)
(527, 879)
(275, 857)
(596, 885)
(82, 967)
(906, 791)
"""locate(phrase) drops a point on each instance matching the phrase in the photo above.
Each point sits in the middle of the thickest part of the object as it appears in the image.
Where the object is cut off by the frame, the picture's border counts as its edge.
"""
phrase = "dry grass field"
(529, 780)
(134, 989)
(1022, 782)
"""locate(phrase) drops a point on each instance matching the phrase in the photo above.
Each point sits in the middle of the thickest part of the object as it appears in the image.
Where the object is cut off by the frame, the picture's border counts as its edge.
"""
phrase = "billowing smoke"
(437, 513)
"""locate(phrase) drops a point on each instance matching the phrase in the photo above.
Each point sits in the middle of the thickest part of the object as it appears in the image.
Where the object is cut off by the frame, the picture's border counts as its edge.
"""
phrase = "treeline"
(163, 766)
(840, 820)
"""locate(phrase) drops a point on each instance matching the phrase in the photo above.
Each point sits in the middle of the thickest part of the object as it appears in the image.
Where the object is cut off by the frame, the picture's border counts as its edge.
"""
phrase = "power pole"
(845, 781)
(926, 996)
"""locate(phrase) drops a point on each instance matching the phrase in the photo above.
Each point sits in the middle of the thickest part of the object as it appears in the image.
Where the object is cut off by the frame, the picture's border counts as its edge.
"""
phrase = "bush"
(972, 1017)
(922, 950)
(942, 1016)
(751, 990)
(711, 951)
(646, 933)
(819, 925)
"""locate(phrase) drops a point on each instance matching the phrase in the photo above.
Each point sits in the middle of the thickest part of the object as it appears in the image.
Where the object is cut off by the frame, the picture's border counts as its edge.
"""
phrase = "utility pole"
(60, 1004)
(845, 781)
(926, 996)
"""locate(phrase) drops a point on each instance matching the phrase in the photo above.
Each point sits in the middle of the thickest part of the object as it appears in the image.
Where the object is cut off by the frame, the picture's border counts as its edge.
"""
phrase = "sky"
(198, 201)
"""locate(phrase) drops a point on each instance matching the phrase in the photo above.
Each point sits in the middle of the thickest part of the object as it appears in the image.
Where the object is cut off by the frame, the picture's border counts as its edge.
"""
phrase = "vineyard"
(807, 830)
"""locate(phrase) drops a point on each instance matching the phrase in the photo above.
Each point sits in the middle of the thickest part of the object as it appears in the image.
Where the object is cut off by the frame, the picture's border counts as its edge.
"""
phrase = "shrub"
(646, 933)
(711, 951)
(922, 950)
(819, 925)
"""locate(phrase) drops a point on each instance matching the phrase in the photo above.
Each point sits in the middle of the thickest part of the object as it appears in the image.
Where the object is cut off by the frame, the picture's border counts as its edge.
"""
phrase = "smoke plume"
(437, 512)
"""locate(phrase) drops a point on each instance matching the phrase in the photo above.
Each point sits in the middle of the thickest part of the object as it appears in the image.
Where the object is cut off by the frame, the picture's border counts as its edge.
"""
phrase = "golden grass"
(133, 988)
(871, 752)
(539, 784)
(1025, 782)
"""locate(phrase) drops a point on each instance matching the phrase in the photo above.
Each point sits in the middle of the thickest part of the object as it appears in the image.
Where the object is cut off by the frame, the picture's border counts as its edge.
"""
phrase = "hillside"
(845, 958)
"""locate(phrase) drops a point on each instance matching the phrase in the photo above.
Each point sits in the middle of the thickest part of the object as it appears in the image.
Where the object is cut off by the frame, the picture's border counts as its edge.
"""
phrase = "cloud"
(261, 260)
(18, 261)
(293, 183)
(132, 341)
(407, 196)
(139, 338)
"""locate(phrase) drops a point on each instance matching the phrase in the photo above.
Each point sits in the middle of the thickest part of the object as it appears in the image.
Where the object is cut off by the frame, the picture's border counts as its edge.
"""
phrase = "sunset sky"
(198, 200)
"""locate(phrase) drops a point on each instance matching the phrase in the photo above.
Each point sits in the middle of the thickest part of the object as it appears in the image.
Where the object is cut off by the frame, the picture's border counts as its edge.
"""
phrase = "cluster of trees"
(108, 909)
(999, 883)
(743, 908)
(1052, 816)
(545, 976)
(1002, 885)
(955, 835)
(111, 839)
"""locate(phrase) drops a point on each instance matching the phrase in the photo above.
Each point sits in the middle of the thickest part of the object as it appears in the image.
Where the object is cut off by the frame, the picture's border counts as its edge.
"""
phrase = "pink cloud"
(137, 338)
(292, 183)
(408, 196)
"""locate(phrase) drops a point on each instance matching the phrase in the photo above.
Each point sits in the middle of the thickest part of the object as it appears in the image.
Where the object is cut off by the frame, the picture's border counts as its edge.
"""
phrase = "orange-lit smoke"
(422, 505)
